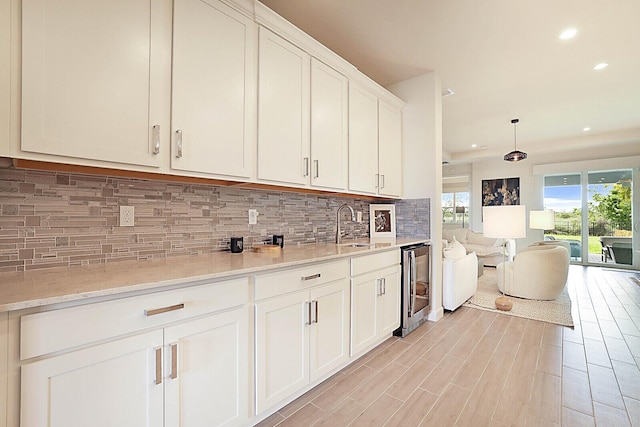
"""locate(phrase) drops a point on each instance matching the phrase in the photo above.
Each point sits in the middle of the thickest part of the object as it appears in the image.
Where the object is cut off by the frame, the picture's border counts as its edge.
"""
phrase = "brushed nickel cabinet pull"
(155, 138)
(316, 304)
(382, 181)
(158, 366)
(315, 276)
(316, 164)
(155, 311)
(377, 181)
(179, 143)
(174, 361)
(305, 166)
(384, 286)
(309, 322)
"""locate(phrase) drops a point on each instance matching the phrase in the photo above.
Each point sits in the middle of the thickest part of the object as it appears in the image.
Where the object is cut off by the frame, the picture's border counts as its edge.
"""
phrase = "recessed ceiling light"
(587, 129)
(567, 34)
(474, 145)
(601, 66)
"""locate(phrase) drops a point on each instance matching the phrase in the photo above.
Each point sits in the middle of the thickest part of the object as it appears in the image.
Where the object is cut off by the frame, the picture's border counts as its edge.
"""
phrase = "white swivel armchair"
(537, 272)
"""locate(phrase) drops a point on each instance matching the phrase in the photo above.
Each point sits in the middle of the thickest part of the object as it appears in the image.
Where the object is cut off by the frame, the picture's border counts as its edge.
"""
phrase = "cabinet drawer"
(284, 281)
(364, 264)
(52, 331)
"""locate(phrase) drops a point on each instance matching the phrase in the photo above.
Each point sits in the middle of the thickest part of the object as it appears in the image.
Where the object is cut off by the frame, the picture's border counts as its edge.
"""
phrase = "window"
(455, 208)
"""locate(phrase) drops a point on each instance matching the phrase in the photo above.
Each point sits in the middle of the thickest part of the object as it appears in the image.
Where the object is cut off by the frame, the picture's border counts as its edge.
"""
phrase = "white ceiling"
(503, 59)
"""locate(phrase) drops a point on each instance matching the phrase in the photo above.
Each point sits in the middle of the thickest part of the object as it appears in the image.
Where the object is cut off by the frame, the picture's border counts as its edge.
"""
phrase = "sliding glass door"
(610, 220)
(563, 194)
(594, 213)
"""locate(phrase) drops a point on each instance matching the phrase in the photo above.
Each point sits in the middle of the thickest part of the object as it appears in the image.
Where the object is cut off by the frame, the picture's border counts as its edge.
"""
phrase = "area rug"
(557, 311)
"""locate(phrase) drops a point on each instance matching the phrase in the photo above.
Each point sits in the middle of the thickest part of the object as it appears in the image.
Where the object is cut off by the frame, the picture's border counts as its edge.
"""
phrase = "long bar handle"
(155, 311)
(316, 304)
(155, 138)
(379, 284)
(414, 281)
(382, 181)
(377, 181)
(316, 165)
(179, 143)
(314, 276)
(306, 166)
(384, 286)
(309, 321)
(174, 361)
(158, 366)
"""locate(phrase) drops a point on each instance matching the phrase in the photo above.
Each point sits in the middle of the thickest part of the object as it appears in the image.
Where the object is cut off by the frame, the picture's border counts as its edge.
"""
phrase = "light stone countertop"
(45, 287)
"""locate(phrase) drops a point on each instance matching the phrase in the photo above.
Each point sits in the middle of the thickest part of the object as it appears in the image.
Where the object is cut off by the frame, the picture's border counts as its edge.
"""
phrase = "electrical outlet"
(253, 216)
(126, 216)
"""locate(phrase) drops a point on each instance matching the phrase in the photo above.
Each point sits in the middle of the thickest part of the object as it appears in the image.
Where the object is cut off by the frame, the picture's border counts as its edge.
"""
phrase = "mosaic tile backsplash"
(54, 219)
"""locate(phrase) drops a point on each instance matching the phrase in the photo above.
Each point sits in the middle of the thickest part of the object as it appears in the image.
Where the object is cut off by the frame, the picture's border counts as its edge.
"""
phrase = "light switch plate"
(253, 216)
(126, 216)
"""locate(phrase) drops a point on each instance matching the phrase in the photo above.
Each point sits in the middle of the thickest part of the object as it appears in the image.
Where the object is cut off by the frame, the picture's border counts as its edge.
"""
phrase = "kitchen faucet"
(353, 218)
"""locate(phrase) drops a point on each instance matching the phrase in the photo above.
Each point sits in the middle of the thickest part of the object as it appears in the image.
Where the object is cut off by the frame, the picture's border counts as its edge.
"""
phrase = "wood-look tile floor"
(479, 368)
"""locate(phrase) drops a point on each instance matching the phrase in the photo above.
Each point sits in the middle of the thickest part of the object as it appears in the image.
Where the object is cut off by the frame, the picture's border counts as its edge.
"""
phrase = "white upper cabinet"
(95, 79)
(363, 141)
(329, 127)
(213, 102)
(389, 150)
(375, 144)
(5, 77)
(283, 111)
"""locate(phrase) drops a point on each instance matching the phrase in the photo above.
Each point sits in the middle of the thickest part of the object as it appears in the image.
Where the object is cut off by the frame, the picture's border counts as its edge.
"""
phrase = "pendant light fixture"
(515, 155)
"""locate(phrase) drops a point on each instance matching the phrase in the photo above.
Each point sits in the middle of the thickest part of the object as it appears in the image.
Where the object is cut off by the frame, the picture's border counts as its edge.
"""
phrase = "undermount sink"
(356, 245)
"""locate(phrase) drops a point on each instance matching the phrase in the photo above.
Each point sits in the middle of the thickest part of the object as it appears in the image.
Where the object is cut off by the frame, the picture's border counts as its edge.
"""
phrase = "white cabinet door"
(282, 342)
(329, 127)
(364, 307)
(363, 141)
(375, 307)
(113, 384)
(283, 111)
(208, 367)
(389, 301)
(329, 332)
(5, 82)
(96, 78)
(390, 150)
(212, 118)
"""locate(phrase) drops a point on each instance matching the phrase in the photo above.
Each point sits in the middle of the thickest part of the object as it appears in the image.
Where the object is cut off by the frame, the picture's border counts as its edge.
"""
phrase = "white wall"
(422, 161)
(532, 186)
(530, 192)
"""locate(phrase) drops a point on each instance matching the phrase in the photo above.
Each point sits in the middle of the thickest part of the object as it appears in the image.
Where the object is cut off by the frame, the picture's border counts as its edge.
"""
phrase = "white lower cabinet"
(194, 373)
(375, 298)
(106, 385)
(210, 361)
(301, 336)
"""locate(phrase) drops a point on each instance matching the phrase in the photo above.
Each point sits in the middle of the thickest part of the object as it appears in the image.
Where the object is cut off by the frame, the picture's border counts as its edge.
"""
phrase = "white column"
(422, 162)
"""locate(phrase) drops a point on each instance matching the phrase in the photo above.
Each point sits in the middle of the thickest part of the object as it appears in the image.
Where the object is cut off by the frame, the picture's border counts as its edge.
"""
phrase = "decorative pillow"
(460, 234)
(454, 251)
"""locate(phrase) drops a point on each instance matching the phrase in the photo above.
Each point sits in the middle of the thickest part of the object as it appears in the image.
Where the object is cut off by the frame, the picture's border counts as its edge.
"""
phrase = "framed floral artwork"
(382, 221)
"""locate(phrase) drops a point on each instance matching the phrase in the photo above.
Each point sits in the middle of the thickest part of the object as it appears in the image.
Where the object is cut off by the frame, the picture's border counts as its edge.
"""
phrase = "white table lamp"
(504, 222)
(542, 220)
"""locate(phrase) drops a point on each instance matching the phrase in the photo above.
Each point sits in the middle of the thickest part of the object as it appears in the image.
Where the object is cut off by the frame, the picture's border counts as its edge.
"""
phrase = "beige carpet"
(557, 311)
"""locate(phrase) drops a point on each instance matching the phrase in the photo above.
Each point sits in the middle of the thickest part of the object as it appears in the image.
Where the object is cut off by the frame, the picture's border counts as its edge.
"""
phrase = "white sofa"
(537, 272)
(489, 249)
(459, 277)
